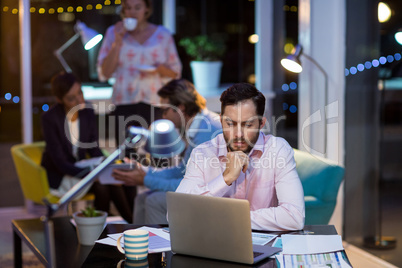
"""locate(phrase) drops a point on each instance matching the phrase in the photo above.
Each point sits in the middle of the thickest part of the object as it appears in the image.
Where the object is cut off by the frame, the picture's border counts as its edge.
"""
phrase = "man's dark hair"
(241, 92)
(62, 82)
(182, 91)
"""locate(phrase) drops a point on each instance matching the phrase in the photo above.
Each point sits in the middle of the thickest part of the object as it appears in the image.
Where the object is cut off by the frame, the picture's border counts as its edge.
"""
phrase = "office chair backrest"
(321, 179)
(32, 176)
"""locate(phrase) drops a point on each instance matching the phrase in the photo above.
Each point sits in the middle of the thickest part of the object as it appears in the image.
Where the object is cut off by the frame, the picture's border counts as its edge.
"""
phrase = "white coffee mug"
(135, 244)
(130, 23)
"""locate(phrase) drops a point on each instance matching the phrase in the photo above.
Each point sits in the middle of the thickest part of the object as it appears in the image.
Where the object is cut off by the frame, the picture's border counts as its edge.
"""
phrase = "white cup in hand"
(135, 244)
(130, 23)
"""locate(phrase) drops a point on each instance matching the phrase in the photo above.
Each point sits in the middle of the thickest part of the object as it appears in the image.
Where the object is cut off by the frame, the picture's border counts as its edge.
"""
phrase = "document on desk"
(261, 238)
(311, 244)
(332, 259)
(159, 239)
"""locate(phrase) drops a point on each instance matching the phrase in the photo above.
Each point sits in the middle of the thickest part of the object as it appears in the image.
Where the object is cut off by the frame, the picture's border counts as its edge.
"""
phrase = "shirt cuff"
(218, 187)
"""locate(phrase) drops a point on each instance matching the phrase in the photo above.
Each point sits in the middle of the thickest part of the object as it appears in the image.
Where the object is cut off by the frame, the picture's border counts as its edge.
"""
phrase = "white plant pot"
(89, 228)
(206, 75)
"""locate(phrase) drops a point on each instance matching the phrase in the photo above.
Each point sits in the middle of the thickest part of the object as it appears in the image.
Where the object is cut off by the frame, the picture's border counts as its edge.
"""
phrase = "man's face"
(241, 126)
(172, 113)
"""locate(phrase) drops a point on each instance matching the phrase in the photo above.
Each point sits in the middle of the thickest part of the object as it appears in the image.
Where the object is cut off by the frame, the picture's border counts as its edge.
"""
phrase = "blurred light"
(5, 9)
(60, 10)
(368, 65)
(288, 48)
(66, 17)
(397, 56)
(41, 10)
(70, 9)
(162, 127)
(285, 8)
(382, 60)
(346, 72)
(32, 10)
(98, 6)
(89, 7)
(285, 106)
(51, 11)
(398, 37)
(375, 63)
(384, 12)
(293, 85)
(360, 67)
(14, 11)
(285, 87)
(390, 58)
(253, 38)
(16, 99)
(251, 79)
(293, 109)
(107, 3)
(293, 8)
(79, 9)
(45, 107)
(353, 70)
(8, 96)
(117, 2)
(93, 42)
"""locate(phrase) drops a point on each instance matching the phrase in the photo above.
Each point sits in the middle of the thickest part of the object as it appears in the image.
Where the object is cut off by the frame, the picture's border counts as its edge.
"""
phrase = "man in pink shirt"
(244, 163)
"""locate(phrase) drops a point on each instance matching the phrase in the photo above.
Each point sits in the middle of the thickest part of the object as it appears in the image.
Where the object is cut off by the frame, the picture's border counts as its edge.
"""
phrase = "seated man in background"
(186, 108)
(244, 163)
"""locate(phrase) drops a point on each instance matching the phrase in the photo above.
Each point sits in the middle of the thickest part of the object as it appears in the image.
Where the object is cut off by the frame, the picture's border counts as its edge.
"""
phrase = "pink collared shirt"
(271, 183)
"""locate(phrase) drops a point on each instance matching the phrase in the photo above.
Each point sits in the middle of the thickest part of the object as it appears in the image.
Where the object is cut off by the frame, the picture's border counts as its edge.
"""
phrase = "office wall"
(361, 122)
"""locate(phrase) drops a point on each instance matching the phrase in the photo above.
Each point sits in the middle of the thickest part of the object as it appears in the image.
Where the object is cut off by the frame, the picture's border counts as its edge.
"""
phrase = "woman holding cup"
(141, 56)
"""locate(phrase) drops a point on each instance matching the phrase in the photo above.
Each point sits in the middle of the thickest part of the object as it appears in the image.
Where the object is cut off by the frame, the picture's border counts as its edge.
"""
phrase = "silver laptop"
(213, 227)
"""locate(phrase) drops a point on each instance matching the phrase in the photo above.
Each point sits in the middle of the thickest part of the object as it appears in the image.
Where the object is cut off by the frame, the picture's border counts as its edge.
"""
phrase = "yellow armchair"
(32, 176)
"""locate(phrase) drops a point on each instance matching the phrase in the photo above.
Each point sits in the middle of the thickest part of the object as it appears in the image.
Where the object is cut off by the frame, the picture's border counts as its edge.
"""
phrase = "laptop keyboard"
(256, 254)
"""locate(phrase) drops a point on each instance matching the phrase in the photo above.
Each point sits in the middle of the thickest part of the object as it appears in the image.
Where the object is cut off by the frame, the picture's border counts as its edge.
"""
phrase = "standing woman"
(71, 134)
(141, 60)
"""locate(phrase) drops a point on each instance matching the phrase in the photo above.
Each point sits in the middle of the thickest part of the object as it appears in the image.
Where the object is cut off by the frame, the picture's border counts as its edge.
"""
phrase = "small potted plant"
(90, 223)
(206, 53)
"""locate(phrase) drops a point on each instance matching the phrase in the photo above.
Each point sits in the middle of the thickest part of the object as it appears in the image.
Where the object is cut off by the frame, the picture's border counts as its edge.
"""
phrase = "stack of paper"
(312, 251)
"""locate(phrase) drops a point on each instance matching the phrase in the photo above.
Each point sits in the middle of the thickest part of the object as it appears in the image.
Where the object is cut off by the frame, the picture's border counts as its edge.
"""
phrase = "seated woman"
(71, 134)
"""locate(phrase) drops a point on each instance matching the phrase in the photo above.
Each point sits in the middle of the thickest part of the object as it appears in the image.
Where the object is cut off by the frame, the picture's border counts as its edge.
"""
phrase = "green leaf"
(203, 47)
(90, 211)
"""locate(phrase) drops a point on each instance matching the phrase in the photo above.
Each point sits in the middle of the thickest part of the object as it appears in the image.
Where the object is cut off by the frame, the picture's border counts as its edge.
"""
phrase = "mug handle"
(119, 245)
(120, 263)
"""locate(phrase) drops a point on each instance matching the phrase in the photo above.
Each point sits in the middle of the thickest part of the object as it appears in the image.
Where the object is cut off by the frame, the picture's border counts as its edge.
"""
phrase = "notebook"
(213, 227)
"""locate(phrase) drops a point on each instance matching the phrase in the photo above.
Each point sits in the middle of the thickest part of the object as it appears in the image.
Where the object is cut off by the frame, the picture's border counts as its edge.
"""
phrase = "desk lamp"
(292, 63)
(89, 38)
(162, 140)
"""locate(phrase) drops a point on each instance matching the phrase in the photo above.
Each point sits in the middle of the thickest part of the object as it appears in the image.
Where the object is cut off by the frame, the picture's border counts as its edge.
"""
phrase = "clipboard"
(105, 177)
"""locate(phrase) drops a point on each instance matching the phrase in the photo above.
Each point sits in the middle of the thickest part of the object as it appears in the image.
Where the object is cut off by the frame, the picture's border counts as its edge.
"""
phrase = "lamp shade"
(89, 37)
(398, 37)
(164, 140)
(292, 63)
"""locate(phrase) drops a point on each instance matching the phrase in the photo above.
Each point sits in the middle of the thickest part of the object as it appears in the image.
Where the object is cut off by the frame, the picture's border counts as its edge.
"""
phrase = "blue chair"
(321, 179)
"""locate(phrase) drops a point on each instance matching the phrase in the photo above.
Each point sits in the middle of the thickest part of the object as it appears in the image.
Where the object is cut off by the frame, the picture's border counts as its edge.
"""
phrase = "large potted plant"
(206, 52)
(89, 223)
